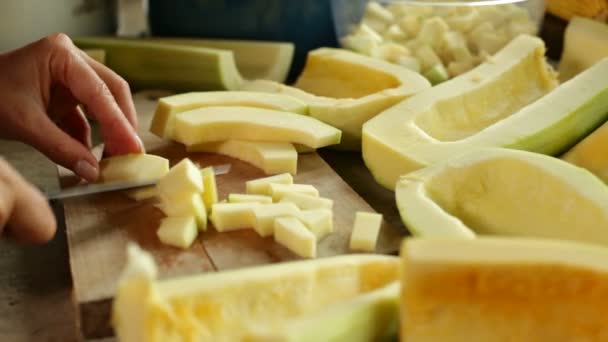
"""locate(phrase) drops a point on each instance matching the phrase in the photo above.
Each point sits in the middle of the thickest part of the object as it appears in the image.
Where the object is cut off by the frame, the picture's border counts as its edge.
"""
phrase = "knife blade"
(95, 188)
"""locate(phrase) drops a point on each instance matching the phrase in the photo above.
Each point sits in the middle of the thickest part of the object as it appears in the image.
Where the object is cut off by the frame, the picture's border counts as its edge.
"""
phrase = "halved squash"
(226, 306)
(163, 122)
(345, 89)
(504, 192)
(213, 124)
(476, 109)
(503, 289)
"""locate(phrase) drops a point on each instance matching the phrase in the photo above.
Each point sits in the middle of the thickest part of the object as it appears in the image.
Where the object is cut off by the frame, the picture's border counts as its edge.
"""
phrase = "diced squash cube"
(306, 202)
(365, 231)
(265, 215)
(279, 191)
(190, 205)
(291, 233)
(210, 196)
(142, 194)
(318, 221)
(427, 56)
(177, 231)
(138, 167)
(182, 179)
(246, 198)
(261, 186)
(233, 216)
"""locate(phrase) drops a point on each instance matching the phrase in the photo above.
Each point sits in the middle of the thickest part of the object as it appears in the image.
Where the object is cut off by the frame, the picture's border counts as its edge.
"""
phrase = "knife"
(95, 188)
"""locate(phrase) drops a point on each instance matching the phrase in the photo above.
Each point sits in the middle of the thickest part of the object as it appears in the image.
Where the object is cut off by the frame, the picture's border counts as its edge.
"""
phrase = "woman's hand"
(41, 86)
(25, 214)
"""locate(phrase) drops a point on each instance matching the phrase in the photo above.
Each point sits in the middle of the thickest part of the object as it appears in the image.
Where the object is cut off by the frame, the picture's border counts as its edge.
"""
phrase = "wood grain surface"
(99, 227)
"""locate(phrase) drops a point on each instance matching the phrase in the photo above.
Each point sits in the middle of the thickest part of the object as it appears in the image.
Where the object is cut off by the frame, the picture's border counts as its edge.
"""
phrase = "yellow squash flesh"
(504, 192)
(585, 43)
(227, 306)
(464, 112)
(345, 89)
(497, 289)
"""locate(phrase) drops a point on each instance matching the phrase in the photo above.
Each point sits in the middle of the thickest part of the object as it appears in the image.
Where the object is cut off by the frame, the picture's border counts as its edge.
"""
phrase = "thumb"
(63, 149)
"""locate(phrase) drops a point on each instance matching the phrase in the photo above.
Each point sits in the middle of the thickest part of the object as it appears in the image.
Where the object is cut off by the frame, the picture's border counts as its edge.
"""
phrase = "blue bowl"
(306, 23)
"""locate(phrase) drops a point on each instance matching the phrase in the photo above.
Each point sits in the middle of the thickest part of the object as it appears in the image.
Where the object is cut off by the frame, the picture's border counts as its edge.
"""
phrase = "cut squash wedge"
(154, 65)
(515, 289)
(272, 158)
(592, 153)
(168, 107)
(213, 124)
(227, 306)
(262, 60)
(345, 89)
(504, 192)
(480, 108)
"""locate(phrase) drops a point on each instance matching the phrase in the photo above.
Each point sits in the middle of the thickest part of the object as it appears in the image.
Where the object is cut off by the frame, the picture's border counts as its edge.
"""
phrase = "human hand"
(41, 87)
(24, 212)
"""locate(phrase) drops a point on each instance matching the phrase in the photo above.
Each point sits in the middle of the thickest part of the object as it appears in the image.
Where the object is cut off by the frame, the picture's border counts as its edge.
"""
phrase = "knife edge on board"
(95, 188)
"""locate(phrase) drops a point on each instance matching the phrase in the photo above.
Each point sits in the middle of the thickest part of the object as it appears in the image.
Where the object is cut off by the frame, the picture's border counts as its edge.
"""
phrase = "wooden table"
(35, 281)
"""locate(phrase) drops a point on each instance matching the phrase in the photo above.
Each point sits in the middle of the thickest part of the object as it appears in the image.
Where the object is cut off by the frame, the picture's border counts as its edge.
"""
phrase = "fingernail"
(85, 170)
(141, 144)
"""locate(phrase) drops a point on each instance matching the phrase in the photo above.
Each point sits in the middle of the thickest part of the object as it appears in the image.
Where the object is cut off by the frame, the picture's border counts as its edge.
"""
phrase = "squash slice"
(213, 124)
(163, 122)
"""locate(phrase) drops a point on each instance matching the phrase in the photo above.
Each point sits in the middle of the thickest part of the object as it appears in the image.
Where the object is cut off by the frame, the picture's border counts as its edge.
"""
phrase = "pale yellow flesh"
(345, 89)
(190, 205)
(246, 198)
(266, 214)
(291, 233)
(178, 231)
(369, 317)
(582, 34)
(437, 124)
(132, 168)
(318, 221)
(306, 201)
(272, 158)
(506, 192)
(142, 194)
(213, 124)
(163, 122)
(503, 290)
(183, 179)
(210, 196)
(261, 186)
(364, 235)
(279, 191)
(233, 216)
(224, 306)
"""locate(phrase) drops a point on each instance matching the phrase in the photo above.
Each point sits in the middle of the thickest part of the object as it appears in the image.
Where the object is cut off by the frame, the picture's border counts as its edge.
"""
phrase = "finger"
(31, 218)
(70, 69)
(118, 87)
(64, 149)
(77, 126)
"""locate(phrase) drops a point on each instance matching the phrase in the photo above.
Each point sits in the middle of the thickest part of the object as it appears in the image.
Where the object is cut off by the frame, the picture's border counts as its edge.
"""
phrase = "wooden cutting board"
(99, 227)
